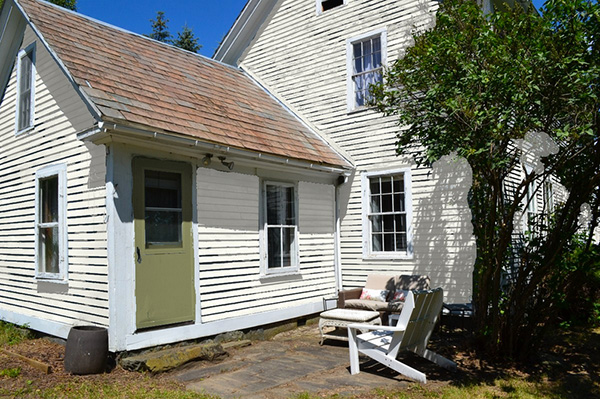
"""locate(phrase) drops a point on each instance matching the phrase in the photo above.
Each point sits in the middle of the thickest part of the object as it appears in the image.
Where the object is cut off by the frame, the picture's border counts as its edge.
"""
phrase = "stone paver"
(291, 363)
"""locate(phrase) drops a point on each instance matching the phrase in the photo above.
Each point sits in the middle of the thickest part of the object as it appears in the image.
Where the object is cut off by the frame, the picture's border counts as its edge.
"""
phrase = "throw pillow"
(399, 296)
(374, 295)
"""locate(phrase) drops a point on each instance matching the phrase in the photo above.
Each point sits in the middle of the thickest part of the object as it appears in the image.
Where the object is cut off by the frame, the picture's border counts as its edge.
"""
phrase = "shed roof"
(138, 81)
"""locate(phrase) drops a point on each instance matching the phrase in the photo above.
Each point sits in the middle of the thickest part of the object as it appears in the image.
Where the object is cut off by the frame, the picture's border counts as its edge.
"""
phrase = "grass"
(554, 383)
(11, 334)
(11, 373)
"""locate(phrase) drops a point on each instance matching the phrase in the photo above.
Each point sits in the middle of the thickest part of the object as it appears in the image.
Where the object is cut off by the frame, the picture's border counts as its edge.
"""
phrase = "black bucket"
(87, 350)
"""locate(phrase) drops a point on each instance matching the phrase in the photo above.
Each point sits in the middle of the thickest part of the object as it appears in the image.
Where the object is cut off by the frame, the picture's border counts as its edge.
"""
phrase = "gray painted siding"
(231, 283)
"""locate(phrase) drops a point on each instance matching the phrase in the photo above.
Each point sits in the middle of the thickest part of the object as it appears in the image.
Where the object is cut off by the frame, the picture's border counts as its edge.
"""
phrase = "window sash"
(280, 227)
(365, 59)
(50, 238)
(387, 213)
(25, 77)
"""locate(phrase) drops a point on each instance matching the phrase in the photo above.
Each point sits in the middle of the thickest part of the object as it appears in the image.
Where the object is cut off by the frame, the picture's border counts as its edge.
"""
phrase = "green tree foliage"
(187, 41)
(160, 29)
(476, 85)
(68, 4)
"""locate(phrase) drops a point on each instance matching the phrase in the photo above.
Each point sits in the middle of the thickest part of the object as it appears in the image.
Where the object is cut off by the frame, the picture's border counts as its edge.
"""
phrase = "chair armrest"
(374, 327)
(353, 293)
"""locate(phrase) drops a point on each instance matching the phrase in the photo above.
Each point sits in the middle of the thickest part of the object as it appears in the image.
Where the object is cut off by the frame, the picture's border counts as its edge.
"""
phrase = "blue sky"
(210, 20)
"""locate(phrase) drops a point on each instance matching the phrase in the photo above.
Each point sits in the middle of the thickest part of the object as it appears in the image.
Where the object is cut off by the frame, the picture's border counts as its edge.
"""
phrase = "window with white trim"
(387, 214)
(25, 89)
(50, 222)
(280, 228)
(326, 5)
(366, 56)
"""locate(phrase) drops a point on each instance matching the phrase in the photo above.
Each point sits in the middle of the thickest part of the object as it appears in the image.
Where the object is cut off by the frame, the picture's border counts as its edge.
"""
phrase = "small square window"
(326, 5)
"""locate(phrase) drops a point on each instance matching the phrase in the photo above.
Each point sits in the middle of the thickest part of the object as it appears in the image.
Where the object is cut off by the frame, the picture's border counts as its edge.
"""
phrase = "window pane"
(163, 227)
(375, 203)
(386, 203)
(25, 79)
(357, 50)
(388, 243)
(163, 213)
(400, 223)
(163, 189)
(274, 246)
(398, 202)
(288, 240)
(290, 211)
(367, 55)
(388, 223)
(398, 184)
(376, 223)
(374, 185)
(377, 242)
(401, 242)
(386, 184)
(48, 250)
(49, 199)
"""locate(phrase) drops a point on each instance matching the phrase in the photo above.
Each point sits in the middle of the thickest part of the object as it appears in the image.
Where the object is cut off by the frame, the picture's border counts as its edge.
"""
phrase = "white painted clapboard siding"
(301, 57)
(59, 114)
(231, 284)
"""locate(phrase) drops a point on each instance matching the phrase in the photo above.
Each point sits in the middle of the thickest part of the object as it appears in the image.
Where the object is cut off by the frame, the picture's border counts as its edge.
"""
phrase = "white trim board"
(170, 335)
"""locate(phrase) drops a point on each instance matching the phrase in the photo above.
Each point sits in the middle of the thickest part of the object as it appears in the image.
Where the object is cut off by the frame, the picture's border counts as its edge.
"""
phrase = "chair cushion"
(380, 282)
(413, 282)
(366, 304)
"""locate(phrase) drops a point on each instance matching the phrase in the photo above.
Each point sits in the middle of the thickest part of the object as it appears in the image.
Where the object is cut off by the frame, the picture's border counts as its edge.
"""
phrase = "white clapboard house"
(318, 58)
(168, 196)
(155, 192)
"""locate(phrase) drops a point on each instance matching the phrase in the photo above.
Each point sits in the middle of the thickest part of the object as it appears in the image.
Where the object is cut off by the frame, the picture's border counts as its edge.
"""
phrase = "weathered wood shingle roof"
(135, 80)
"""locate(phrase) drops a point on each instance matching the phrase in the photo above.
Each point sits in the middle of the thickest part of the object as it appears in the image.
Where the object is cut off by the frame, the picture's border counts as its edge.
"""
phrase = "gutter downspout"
(342, 179)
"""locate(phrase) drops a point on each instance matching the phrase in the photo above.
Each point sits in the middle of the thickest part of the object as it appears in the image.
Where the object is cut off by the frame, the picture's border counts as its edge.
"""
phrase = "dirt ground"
(572, 360)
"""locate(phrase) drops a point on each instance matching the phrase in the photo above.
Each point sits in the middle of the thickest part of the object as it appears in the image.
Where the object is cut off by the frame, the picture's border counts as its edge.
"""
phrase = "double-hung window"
(50, 224)
(387, 214)
(365, 59)
(280, 240)
(25, 89)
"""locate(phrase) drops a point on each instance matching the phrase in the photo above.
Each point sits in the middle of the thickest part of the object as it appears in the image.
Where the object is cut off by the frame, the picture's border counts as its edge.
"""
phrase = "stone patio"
(292, 363)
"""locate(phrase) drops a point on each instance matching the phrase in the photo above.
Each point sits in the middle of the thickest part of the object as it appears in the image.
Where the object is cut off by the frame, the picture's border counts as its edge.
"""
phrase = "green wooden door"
(164, 255)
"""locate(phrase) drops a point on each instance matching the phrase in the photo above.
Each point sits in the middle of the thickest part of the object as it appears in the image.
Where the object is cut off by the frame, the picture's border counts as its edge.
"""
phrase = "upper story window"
(25, 88)
(325, 5)
(387, 214)
(366, 56)
(280, 228)
(51, 227)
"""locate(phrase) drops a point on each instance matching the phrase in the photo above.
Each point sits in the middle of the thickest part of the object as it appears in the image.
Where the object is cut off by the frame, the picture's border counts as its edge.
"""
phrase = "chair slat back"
(418, 317)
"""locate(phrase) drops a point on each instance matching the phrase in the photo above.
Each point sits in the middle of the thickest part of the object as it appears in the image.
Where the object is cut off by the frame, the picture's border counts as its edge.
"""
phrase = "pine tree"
(160, 30)
(68, 4)
(187, 41)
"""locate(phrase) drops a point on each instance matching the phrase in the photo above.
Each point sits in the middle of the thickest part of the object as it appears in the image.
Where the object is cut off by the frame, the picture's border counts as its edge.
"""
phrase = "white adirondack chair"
(412, 332)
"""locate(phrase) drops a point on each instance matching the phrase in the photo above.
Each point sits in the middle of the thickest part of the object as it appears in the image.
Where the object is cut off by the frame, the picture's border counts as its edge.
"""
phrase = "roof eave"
(102, 131)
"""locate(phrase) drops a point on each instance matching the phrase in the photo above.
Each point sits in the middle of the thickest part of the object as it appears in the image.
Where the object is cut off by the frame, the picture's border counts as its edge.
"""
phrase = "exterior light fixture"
(207, 159)
(228, 165)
